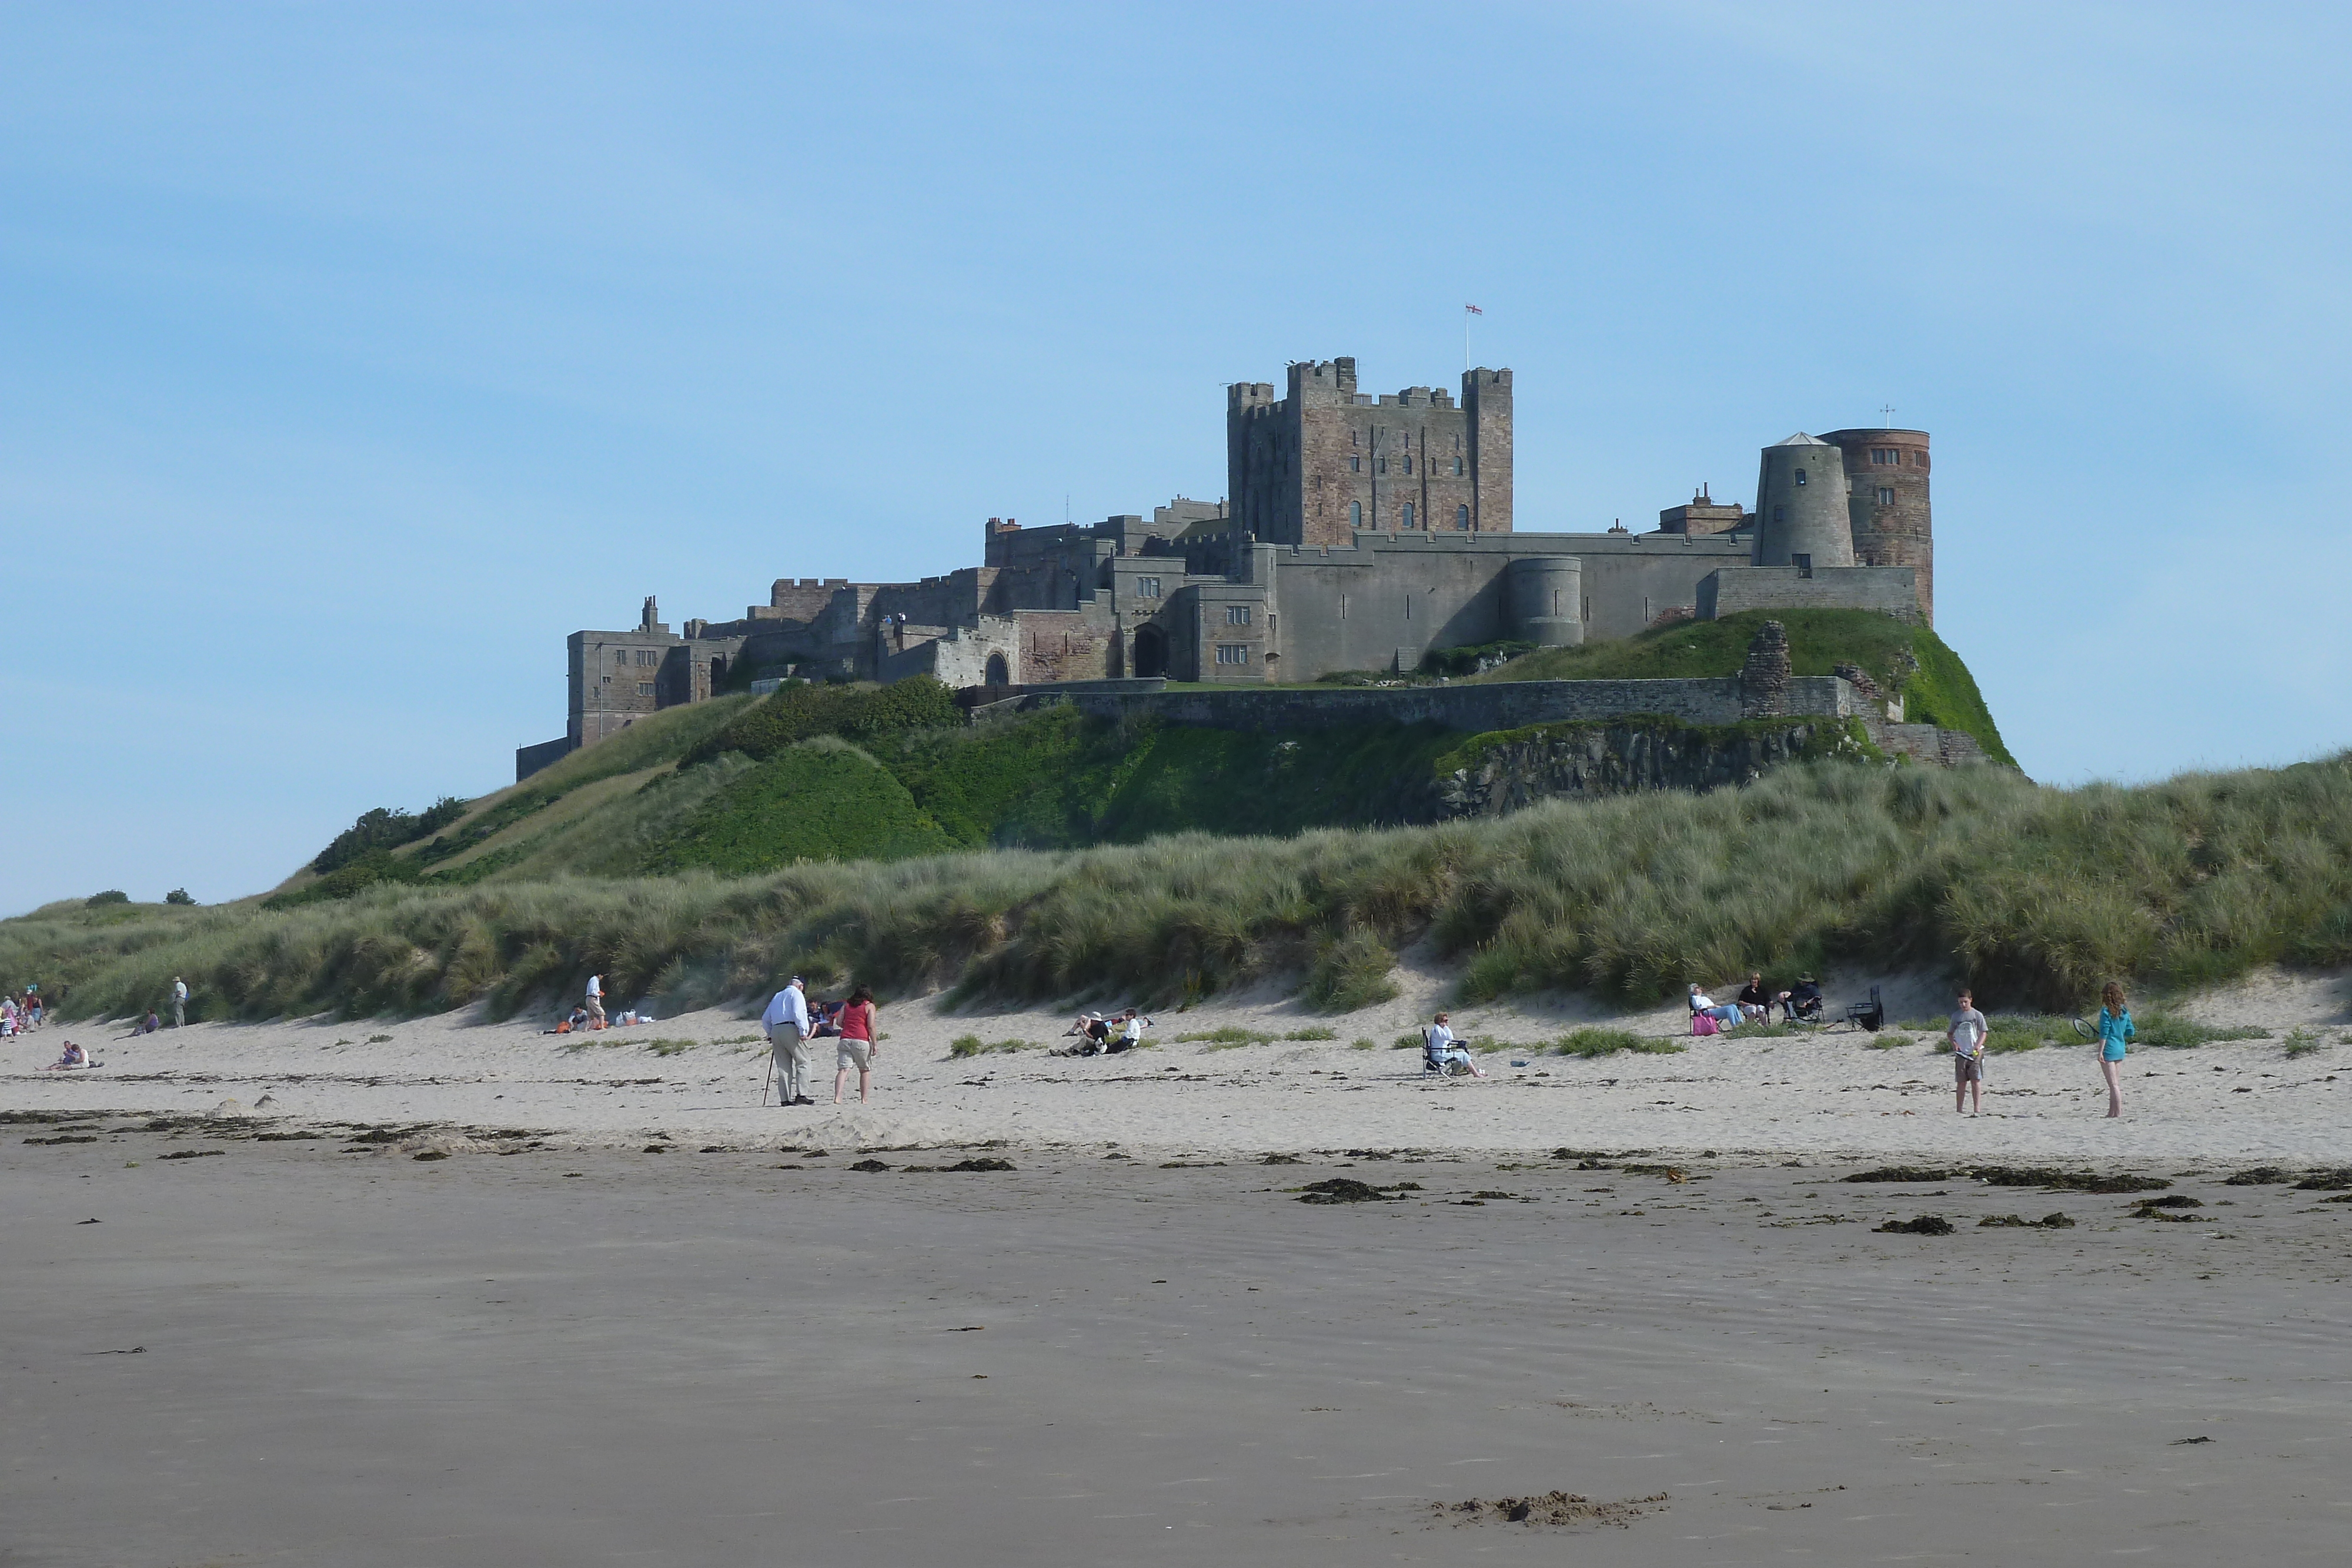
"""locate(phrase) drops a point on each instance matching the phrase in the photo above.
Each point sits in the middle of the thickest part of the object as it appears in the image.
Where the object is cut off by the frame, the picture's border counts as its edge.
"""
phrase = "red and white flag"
(1474, 309)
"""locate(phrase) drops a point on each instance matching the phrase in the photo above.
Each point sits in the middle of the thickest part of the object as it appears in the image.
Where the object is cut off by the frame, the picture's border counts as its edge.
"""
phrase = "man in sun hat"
(786, 1024)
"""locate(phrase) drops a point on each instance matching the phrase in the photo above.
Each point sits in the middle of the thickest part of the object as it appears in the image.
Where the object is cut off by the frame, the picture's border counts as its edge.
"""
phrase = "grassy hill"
(2035, 895)
(1903, 658)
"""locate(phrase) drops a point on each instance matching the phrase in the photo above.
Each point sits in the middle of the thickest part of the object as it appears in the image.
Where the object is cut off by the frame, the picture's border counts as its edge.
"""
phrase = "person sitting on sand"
(1082, 1028)
(75, 1056)
(1724, 1013)
(1131, 1025)
(1440, 1052)
(147, 1026)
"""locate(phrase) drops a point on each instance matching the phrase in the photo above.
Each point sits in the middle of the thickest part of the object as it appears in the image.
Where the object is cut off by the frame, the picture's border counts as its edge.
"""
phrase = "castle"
(1361, 532)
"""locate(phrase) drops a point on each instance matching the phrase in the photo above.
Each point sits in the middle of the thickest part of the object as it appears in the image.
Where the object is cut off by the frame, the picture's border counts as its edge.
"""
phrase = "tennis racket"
(2085, 1030)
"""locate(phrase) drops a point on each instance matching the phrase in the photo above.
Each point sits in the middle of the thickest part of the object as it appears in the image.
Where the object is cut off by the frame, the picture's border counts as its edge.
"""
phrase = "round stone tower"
(1800, 510)
(1547, 599)
(1887, 499)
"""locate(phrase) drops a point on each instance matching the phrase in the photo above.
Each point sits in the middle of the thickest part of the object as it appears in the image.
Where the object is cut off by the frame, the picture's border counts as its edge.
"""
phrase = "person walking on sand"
(2114, 1040)
(857, 1047)
(179, 1001)
(1967, 1036)
(786, 1022)
(595, 1003)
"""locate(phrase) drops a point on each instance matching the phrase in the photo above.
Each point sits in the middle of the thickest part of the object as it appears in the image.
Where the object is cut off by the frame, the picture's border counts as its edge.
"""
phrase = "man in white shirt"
(786, 1023)
(1967, 1035)
(179, 1001)
(595, 1001)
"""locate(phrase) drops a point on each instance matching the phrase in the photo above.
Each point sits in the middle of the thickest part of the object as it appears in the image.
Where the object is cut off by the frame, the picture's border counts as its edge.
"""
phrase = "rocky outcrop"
(1583, 761)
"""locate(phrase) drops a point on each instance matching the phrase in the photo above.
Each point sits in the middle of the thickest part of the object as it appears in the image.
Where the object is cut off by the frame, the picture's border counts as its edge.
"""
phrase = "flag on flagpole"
(1474, 309)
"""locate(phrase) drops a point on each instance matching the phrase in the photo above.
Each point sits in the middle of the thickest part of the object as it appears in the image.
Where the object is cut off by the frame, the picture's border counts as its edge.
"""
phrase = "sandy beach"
(225, 1350)
(449, 1292)
(698, 1079)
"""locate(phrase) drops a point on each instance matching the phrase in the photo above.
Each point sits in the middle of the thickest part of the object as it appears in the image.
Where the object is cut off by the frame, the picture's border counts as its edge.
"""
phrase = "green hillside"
(743, 785)
(1903, 658)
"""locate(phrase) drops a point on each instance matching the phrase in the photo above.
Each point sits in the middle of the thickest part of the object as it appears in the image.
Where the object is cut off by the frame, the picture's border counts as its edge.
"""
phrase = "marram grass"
(2034, 896)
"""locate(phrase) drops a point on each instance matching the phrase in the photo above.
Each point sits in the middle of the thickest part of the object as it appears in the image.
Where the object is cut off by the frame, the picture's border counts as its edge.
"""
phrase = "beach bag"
(564, 1027)
(1703, 1023)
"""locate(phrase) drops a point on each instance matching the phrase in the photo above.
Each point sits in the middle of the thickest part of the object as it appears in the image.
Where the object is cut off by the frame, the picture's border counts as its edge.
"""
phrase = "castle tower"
(1800, 510)
(1324, 461)
(1886, 503)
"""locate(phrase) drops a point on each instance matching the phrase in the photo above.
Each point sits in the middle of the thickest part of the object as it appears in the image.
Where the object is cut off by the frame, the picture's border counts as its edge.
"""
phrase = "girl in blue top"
(2114, 1034)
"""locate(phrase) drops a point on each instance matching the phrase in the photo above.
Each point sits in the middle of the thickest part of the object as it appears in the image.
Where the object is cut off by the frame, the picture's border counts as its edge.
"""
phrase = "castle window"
(1355, 464)
(1885, 497)
(1885, 454)
(644, 688)
(1355, 438)
(1919, 460)
(1800, 475)
(1408, 514)
(1457, 468)
(1408, 464)
(1147, 588)
(1232, 653)
(1355, 513)
(1462, 517)
(620, 657)
(1237, 614)
(1380, 466)
(648, 657)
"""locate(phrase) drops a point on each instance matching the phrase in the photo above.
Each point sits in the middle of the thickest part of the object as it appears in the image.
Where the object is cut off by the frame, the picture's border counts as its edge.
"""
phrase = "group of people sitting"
(1800, 1004)
(19, 1012)
(1101, 1034)
(75, 1056)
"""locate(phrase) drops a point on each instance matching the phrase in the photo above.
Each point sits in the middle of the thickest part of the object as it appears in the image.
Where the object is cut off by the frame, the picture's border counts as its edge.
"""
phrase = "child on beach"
(1967, 1036)
(2115, 1037)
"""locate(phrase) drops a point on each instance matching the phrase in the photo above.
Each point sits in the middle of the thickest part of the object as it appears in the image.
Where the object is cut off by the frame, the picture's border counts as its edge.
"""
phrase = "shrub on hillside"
(822, 799)
(112, 896)
(796, 712)
(385, 829)
(179, 895)
(354, 876)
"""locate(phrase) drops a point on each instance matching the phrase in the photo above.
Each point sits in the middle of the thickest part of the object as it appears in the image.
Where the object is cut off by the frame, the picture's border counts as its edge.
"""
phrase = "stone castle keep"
(1360, 533)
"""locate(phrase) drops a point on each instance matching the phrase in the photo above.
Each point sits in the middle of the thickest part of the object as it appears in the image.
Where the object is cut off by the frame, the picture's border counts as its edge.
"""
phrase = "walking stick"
(766, 1076)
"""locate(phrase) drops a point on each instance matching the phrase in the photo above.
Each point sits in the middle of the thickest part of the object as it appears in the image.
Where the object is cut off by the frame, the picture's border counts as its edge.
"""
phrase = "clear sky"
(351, 356)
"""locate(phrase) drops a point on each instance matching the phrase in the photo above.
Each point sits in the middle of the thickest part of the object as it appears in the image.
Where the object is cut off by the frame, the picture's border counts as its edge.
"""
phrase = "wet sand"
(283, 1353)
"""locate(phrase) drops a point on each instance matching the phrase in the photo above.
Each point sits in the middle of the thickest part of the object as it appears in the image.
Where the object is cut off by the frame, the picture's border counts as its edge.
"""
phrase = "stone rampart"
(1473, 709)
(1889, 590)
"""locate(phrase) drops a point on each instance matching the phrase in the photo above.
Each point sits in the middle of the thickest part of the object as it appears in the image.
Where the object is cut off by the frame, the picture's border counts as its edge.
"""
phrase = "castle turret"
(1801, 506)
(1886, 503)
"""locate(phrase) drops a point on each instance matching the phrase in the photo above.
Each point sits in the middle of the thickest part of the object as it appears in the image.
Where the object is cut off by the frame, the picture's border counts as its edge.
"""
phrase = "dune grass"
(2036, 896)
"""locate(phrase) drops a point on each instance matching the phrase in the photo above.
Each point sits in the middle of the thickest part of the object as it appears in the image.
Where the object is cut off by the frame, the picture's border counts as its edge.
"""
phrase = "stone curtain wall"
(1510, 705)
(1890, 591)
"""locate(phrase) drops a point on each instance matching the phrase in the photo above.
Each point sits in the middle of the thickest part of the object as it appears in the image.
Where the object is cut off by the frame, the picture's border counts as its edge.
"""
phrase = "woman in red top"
(858, 1048)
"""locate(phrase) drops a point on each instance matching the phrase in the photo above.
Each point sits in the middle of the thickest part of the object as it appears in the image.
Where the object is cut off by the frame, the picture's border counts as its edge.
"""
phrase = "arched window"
(1408, 514)
(1355, 513)
(999, 672)
(1462, 518)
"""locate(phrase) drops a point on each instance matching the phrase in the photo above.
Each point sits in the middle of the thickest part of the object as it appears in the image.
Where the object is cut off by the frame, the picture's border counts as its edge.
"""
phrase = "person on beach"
(1755, 1001)
(786, 1024)
(179, 1001)
(75, 1056)
(1441, 1051)
(2115, 1042)
(1967, 1036)
(595, 1002)
(1803, 1003)
(858, 1048)
(148, 1026)
(1131, 1026)
(1724, 1013)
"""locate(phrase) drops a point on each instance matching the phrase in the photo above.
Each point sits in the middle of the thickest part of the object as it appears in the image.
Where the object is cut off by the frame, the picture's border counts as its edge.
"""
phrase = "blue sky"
(355, 355)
